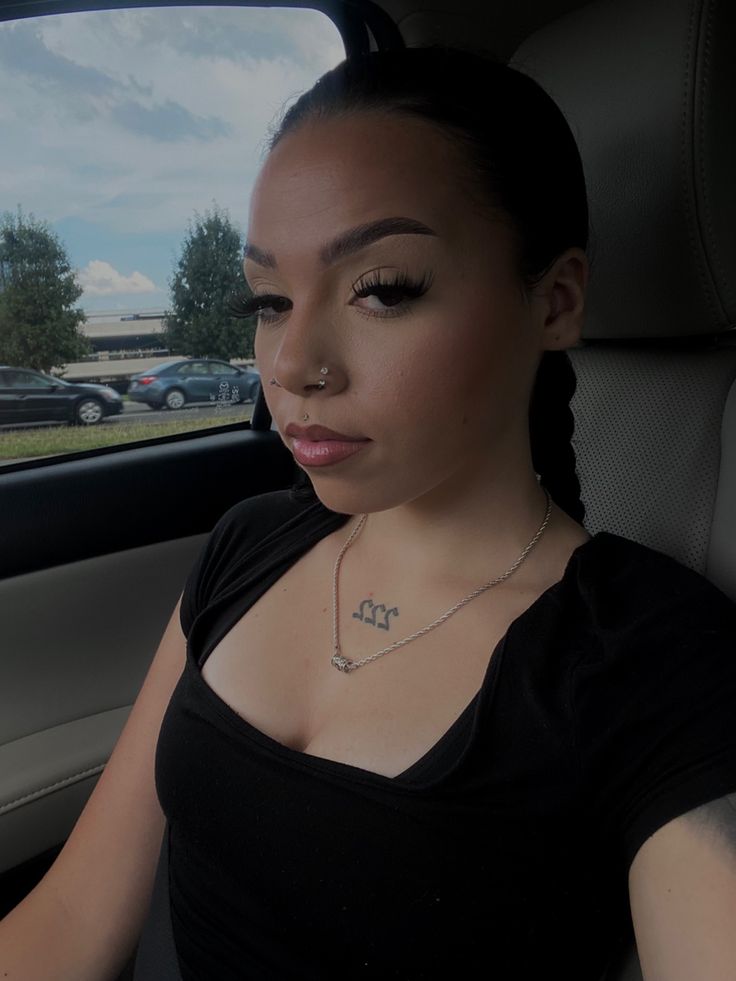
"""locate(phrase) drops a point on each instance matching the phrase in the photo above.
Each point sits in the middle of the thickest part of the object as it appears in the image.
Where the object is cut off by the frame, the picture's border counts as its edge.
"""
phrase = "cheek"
(265, 351)
(260, 350)
(461, 365)
(264, 363)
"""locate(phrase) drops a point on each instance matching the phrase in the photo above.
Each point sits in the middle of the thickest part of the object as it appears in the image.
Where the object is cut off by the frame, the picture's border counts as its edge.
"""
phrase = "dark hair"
(522, 158)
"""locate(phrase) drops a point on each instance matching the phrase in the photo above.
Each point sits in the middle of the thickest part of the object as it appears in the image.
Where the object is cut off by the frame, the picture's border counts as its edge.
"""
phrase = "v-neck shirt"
(606, 710)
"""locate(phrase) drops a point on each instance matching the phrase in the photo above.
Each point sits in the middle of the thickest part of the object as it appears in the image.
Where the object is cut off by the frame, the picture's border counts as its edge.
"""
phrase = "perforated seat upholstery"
(649, 88)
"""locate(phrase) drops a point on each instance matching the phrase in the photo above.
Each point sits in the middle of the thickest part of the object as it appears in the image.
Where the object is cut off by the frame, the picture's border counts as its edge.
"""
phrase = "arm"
(682, 889)
(83, 920)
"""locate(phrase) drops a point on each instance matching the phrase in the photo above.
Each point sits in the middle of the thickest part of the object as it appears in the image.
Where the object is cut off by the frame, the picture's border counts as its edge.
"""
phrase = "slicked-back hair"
(521, 158)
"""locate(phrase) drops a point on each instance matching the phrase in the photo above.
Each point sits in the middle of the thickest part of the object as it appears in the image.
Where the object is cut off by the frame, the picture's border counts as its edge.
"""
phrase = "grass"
(22, 444)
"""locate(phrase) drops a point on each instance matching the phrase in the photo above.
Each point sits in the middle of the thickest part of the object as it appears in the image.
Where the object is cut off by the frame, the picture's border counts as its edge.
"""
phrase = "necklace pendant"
(343, 663)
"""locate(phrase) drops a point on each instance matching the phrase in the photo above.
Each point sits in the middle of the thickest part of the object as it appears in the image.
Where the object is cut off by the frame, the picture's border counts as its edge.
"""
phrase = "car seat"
(649, 88)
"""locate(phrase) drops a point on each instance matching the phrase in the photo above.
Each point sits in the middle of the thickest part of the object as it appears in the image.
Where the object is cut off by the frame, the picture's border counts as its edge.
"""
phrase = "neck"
(487, 521)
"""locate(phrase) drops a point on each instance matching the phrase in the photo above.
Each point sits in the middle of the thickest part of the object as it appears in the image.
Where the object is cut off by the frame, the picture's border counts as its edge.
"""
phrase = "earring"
(323, 371)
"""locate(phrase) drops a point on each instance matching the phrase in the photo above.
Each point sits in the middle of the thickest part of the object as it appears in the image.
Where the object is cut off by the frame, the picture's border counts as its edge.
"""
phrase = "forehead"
(334, 174)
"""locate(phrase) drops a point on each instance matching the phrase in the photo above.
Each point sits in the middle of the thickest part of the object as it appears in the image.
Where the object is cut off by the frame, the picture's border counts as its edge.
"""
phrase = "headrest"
(649, 89)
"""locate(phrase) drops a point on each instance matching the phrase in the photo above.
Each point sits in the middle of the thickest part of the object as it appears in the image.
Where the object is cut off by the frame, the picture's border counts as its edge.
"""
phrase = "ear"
(562, 296)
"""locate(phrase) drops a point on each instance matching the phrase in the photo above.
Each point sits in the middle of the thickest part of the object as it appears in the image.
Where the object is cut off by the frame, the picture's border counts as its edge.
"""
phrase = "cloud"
(169, 122)
(99, 278)
(125, 122)
(22, 49)
(88, 93)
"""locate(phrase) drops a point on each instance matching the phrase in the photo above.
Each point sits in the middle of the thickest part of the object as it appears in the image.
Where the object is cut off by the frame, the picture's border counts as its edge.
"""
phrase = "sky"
(118, 126)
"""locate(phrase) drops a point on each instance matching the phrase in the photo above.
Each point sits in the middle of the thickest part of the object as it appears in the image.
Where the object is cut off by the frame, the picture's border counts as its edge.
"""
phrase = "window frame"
(362, 25)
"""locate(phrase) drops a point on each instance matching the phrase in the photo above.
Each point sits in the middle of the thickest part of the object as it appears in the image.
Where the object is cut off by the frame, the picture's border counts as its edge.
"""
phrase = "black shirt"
(606, 711)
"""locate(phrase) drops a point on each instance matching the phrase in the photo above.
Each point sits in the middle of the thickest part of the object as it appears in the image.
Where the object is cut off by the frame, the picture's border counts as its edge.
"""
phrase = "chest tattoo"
(375, 614)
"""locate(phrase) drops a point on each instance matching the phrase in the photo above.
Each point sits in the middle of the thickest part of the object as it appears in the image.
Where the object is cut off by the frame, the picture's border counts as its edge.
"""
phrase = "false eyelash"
(401, 283)
(242, 304)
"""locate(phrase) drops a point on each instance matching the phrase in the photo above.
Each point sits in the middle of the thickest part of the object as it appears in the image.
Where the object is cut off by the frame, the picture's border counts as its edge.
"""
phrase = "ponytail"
(551, 425)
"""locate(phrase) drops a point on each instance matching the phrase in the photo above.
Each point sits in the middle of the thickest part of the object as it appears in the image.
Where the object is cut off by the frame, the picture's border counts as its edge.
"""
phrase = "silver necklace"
(345, 664)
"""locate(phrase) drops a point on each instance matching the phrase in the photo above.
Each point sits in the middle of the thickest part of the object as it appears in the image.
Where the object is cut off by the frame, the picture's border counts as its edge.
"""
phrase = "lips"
(317, 446)
(319, 434)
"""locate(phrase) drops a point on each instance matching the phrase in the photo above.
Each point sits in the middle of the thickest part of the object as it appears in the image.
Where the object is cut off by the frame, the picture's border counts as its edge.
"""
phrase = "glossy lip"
(318, 446)
(320, 434)
(326, 452)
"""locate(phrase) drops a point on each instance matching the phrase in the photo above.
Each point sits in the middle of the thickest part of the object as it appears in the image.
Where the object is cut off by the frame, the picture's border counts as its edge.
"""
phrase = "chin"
(339, 496)
(359, 497)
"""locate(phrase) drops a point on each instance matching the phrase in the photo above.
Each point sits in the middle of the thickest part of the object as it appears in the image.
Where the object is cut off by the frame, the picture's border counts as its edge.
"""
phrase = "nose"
(306, 361)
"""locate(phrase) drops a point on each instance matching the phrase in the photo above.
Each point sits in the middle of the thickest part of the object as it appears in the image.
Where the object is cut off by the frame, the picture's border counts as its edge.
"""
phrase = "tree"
(38, 321)
(207, 274)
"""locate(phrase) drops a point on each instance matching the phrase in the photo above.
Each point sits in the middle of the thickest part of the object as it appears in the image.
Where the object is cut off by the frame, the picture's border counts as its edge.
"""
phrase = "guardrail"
(126, 355)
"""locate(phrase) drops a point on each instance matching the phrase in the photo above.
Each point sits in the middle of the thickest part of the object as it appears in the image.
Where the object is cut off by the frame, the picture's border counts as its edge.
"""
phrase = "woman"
(428, 726)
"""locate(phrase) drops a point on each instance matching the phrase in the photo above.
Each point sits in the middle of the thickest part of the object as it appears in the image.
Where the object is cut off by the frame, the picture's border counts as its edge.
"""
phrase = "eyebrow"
(348, 242)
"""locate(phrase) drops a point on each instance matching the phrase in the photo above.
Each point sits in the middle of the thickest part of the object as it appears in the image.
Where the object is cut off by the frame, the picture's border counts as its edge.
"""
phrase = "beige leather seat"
(649, 87)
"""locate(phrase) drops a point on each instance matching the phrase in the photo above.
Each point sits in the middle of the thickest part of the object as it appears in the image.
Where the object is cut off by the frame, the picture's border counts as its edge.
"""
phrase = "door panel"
(8, 401)
(196, 380)
(49, 403)
(83, 610)
(78, 640)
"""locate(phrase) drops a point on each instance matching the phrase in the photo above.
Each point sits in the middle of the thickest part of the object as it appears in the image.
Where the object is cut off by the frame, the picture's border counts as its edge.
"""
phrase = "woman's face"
(389, 276)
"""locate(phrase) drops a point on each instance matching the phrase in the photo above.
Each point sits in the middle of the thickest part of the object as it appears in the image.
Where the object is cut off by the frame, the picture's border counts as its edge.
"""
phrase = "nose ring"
(320, 384)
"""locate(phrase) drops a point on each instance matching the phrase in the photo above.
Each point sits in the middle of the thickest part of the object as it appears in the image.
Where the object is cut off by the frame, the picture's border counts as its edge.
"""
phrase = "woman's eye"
(267, 307)
(271, 307)
(381, 297)
(386, 298)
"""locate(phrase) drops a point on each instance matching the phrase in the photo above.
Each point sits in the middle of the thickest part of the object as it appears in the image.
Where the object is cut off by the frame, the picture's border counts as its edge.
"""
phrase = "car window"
(27, 379)
(193, 368)
(220, 368)
(131, 139)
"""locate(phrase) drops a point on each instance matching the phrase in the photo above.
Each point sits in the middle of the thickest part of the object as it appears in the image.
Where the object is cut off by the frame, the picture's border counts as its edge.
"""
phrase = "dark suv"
(31, 396)
(175, 383)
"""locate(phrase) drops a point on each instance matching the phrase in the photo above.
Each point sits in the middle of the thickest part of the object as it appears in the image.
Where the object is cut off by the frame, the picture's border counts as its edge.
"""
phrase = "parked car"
(32, 396)
(175, 383)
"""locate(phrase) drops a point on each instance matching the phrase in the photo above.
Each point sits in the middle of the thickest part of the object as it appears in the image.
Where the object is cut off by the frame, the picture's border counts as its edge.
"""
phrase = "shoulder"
(267, 522)
(651, 690)
(262, 514)
(634, 588)
(252, 532)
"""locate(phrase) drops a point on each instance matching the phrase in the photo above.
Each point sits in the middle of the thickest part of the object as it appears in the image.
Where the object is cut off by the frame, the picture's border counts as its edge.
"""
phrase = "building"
(123, 343)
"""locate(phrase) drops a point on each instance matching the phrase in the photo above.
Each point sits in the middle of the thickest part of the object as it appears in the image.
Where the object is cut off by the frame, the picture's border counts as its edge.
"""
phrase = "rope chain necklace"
(345, 664)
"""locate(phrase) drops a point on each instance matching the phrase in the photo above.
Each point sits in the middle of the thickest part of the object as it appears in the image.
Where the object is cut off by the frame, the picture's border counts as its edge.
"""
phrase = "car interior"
(95, 546)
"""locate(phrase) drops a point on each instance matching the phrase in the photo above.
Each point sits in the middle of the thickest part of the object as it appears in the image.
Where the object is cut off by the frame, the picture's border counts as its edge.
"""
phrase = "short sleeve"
(654, 704)
(232, 540)
(197, 584)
